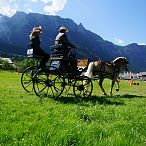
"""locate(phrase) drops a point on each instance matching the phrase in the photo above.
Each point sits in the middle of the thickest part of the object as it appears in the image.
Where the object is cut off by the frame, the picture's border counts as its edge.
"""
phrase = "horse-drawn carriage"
(59, 76)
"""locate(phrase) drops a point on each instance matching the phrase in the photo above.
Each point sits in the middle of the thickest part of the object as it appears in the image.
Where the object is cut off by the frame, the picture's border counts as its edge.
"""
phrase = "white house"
(7, 59)
(142, 76)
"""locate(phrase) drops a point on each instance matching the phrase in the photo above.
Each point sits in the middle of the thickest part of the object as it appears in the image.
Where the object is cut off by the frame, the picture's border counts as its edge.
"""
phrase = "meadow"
(26, 120)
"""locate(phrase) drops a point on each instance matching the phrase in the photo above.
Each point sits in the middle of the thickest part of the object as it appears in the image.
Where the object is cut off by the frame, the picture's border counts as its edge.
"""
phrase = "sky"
(119, 21)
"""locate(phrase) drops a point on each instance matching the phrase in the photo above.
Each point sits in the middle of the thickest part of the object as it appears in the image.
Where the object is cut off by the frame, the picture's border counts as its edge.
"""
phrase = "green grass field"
(99, 121)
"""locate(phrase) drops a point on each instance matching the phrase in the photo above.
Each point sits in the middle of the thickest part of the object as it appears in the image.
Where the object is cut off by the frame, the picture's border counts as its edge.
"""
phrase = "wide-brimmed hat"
(37, 29)
(62, 28)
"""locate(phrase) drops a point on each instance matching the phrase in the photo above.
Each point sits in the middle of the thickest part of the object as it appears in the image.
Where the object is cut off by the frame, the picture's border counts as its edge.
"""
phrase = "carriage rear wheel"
(27, 78)
(48, 83)
(82, 87)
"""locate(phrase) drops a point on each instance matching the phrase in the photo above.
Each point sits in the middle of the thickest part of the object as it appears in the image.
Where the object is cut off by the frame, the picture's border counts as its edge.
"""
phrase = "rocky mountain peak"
(14, 32)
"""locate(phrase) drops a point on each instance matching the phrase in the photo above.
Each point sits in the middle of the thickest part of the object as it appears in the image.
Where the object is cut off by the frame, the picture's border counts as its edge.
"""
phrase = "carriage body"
(64, 63)
(60, 76)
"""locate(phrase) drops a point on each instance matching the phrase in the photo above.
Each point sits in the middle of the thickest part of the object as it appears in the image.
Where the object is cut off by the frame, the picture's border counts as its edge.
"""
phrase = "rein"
(116, 68)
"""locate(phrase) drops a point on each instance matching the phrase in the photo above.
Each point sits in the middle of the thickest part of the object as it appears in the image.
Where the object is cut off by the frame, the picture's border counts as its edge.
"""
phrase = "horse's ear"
(126, 60)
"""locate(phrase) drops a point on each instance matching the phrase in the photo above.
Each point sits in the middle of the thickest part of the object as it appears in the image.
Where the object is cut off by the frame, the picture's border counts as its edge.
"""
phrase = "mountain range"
(15, 30)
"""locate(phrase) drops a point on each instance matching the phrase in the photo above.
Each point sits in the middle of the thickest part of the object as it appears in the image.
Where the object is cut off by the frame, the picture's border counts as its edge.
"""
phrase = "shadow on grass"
(129, 96)
(92, 99)
(106, 100)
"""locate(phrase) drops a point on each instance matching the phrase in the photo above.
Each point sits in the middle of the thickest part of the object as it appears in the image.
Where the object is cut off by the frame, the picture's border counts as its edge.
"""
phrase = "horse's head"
(121, 63)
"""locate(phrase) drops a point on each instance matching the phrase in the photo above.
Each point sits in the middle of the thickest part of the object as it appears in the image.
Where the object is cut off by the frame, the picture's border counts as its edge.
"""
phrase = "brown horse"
(101, 70)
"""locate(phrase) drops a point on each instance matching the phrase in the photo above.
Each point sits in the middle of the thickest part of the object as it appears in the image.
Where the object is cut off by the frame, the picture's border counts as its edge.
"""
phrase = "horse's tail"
(89, 71)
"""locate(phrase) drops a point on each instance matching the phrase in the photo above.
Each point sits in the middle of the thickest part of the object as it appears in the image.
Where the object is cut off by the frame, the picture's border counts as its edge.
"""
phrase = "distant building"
(133, 76)
(142, 76)
(7, 59)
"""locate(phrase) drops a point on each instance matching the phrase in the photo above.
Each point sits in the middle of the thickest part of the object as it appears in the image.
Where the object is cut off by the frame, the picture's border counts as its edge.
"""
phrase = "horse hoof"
(117, 90)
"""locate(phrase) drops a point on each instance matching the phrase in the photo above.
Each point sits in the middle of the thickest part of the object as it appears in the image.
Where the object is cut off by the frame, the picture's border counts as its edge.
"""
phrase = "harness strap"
(102, 69)
(116, 68)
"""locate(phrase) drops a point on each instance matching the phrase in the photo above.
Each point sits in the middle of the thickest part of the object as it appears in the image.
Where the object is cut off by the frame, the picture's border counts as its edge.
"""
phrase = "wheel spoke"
(82, 87)
(48, 84)
(27, 78)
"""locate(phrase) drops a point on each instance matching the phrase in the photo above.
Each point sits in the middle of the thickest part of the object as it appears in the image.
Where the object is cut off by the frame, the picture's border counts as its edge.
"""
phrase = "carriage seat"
(56, 51)
(59, 52)
(56, 48)
(59, 49)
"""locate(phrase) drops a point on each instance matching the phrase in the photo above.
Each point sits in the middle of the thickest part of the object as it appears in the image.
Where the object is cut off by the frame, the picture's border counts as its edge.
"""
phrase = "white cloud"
(46, 1)
(141, 44)
(30, 10)
(55, 6)
(34, 1)
(119, 41)
(7, 10)
(7, 7)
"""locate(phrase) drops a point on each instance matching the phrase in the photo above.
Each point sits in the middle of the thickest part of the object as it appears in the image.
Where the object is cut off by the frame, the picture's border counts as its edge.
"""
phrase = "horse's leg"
(112, 85)
(100, 84)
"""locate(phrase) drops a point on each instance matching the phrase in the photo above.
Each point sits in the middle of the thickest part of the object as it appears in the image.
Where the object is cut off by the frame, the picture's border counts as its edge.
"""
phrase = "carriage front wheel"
(82, 87)
(48, 83)
(27, 78)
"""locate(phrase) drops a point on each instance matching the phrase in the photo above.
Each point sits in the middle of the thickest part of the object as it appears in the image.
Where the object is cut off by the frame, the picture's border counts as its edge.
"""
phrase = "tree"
(22, 65)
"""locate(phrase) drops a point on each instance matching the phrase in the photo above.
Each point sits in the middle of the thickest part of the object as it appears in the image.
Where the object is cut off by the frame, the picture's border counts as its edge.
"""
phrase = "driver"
(66, 45)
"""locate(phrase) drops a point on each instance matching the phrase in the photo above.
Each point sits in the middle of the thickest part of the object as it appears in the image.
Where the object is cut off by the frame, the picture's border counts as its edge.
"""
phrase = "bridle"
(118, 68)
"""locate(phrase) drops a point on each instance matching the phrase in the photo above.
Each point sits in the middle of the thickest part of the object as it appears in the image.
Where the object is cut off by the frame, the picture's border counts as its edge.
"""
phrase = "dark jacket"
(35, 43)
(62, 39)
(37, 50)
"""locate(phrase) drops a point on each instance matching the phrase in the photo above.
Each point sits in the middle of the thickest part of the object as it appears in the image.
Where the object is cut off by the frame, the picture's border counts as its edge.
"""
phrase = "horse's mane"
(117, 59)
